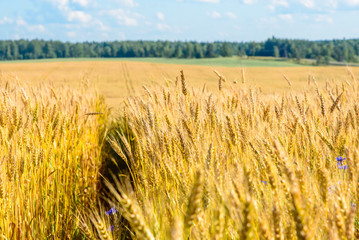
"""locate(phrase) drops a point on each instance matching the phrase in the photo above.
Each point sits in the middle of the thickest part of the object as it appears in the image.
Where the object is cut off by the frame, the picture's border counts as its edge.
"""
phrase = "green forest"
(323, 52)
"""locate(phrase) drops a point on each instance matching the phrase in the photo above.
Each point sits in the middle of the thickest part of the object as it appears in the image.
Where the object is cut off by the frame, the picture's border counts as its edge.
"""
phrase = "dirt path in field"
(128, 80)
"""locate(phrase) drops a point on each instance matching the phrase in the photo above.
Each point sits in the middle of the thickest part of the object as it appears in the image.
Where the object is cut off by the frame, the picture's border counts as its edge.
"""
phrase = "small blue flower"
(110, 229)
(354, 205)
(113, 210)
(340, 161)
(343, 167)
(265, 182)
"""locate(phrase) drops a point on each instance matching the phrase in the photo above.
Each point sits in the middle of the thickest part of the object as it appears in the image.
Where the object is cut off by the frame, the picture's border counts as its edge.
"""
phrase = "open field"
(118, 79)
(220, 61)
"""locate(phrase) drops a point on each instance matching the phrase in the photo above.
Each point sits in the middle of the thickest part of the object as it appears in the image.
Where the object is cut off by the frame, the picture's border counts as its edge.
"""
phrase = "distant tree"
(34, 49)
(107, 52)
(241, 51)
(276, 52)
(2, 50)
(319, 60)
(178, 53)
(77, 50)
(226, 50)
(15, 51)
(268, 49)
(189, 50)
(253, 47)
(8, 53)
(198, 53)
(166, 51)
(49, 51)
(321, 51)
(66, 50)
(210, 51)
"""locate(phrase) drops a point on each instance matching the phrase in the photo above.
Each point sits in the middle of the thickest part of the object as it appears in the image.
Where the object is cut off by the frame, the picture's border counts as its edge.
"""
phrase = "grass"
(221, 61)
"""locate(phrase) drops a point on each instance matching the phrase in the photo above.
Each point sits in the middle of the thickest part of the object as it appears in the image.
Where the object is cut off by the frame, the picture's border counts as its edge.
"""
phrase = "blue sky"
(200, 20)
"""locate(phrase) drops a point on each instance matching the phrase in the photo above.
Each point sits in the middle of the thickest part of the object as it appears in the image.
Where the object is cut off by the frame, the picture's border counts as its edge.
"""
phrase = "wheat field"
(49, 159)
(181, 160)
(117, 80)
(235, 164)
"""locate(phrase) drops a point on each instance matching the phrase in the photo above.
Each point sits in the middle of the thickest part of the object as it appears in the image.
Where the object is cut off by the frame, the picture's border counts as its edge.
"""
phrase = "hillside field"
(117, 79)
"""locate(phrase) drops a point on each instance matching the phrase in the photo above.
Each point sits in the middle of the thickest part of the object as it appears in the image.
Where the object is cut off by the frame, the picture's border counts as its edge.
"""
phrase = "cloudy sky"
(200, 20)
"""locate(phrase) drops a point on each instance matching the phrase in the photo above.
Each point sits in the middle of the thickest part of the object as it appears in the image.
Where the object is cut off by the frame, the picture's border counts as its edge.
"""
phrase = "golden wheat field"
(119, 79)
(267, 157)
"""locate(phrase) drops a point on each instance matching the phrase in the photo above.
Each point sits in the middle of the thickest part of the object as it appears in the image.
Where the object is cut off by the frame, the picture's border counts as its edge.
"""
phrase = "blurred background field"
(120, 78)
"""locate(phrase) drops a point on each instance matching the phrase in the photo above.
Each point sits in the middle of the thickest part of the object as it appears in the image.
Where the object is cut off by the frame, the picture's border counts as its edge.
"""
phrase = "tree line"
(322, 51)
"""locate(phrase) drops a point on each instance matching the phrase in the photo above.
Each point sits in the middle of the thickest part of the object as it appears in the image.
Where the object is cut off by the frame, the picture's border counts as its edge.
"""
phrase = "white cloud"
(217, 15)
(209, 1)
(71, 15)
(286, 17)
(308, 3)
(231, 15)
(71, 34)
(268, 20)
(101, 26)
(82, 3)
(283, 3)
(60, 3)
(31, 28)
(78, 16)
(105, 35)
(128, 3)
(323, 18)
(223, 34)
(126, 18)
(36, 28)
(214, 14)
(332, 3)
(162, 27)
(21, 22)
(160, 16)
(6, 20)
(249, 1)
(352, 2)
